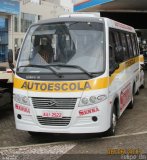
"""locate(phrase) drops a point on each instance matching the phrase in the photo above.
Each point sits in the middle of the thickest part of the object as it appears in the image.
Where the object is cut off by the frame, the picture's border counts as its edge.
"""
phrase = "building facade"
(17, 15)
(7, 10)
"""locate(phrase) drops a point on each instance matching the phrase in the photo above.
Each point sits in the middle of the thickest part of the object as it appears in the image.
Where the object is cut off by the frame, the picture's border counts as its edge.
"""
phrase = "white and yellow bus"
(75, 74)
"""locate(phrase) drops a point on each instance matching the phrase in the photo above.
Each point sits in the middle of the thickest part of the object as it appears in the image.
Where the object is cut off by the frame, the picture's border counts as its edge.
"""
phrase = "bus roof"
(118, 25)
(94, 17)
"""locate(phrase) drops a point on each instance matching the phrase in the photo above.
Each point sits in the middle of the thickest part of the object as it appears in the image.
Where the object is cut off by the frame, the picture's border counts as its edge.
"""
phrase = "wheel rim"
(114, 122)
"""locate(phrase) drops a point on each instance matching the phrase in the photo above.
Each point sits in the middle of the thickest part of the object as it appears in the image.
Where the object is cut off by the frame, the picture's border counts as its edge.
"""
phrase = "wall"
(67, 4)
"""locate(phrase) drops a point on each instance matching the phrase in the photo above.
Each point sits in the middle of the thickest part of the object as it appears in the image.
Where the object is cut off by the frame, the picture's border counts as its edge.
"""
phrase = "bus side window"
(124, 45)
(113, 65)
(136, 44)
(117, 40)
(129, 45)
(133, 45)
(119, 54)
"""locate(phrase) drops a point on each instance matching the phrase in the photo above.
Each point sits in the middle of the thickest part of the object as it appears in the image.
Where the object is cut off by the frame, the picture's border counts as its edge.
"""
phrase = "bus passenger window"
(124, 45)
(133, 44)
(129, 45)
(119, 53)
(136, 44)
(113, 65)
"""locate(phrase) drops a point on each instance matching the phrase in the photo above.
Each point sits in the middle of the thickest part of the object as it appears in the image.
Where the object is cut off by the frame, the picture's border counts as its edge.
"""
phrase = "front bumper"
(78, 124)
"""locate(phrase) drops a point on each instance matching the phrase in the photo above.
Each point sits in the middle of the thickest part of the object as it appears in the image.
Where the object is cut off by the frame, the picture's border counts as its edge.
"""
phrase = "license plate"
(52, 114)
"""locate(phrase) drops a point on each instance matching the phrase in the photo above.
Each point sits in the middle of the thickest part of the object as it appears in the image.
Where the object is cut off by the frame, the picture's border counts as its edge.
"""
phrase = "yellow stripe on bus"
(124, 66)
(141, 58)
(73, 86)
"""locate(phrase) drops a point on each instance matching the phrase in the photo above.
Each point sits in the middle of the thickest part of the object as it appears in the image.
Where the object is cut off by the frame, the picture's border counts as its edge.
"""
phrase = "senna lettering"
(22, 108)
(55, 86)
(88, 111)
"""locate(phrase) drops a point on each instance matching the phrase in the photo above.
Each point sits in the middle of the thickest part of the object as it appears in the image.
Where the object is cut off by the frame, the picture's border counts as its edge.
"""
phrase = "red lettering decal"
(16, 106)
(88, 111)
(123, 26)
(22, 108)
(97, 109)
(45, 114)
(81, 113)
(125, 96)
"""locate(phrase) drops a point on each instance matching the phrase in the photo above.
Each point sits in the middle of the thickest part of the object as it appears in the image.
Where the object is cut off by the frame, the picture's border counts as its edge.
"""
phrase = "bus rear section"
(72, 76)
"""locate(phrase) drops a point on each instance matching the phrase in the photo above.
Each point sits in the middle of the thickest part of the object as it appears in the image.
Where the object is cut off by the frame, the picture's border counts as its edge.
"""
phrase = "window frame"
(119, 31)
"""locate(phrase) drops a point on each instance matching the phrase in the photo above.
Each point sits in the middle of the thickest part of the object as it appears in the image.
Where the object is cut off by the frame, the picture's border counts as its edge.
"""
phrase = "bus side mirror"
(10, 59)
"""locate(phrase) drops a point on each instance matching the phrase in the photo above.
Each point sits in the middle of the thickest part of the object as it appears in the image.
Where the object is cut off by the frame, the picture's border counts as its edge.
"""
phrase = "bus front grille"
(64, 121)
(54, 103)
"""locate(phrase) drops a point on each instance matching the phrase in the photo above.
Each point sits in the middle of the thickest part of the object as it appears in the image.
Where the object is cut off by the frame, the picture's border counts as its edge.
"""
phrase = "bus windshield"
(67, 47)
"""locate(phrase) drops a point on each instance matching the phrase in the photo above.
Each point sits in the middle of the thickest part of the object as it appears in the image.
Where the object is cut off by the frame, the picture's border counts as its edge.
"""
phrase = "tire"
(137, 93)
(143, 85)
(131, 104)
(111, 130)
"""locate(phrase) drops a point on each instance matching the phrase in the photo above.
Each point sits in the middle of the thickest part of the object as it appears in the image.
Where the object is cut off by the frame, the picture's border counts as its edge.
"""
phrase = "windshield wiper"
(43, 66)
(72, 66)
(59, 65)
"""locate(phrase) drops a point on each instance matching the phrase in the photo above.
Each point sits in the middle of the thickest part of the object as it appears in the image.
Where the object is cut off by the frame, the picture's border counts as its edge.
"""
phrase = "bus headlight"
(101, 98)
(21, 99)
(85, 101)
(92, 100)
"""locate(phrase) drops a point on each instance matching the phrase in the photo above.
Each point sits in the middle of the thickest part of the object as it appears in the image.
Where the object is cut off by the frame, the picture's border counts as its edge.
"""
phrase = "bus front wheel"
(143, 85)
(111, 130)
